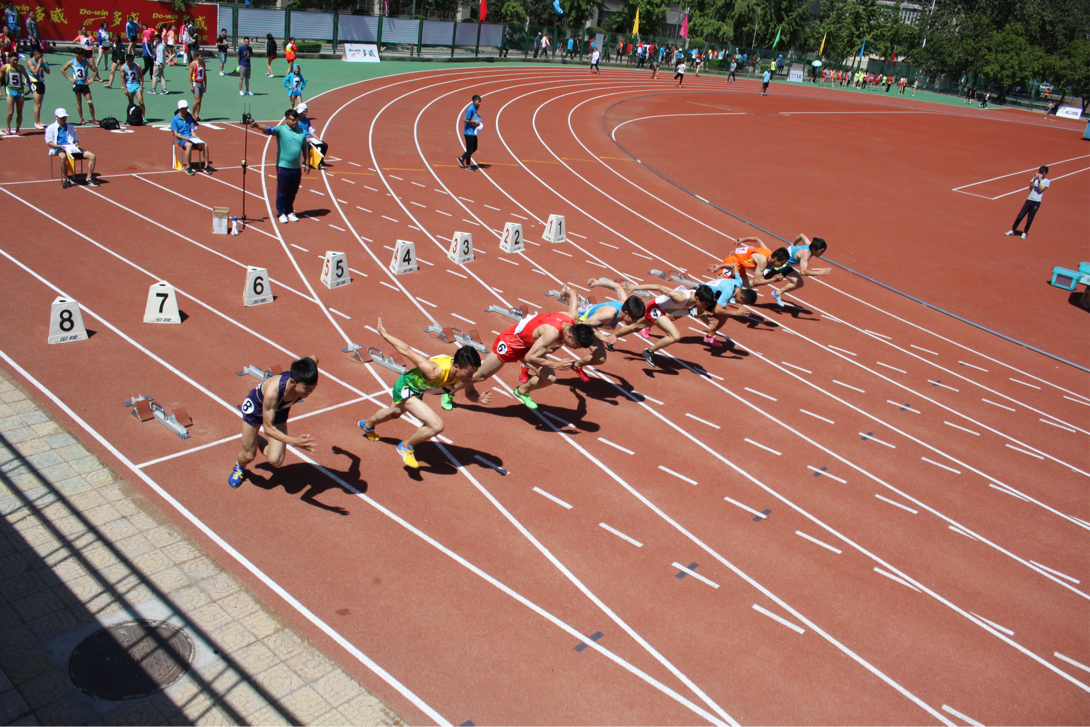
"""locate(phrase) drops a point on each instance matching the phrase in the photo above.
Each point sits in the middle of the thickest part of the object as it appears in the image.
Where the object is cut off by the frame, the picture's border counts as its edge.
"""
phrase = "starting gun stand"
(457, 336)
(144, 408)
(676, 277)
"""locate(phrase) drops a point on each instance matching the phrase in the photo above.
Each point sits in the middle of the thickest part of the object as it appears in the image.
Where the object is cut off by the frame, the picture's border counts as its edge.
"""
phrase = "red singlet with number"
(514, 343)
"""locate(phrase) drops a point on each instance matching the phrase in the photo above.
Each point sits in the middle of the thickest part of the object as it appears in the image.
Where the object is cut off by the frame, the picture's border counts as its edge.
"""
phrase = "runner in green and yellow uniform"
(437, 372)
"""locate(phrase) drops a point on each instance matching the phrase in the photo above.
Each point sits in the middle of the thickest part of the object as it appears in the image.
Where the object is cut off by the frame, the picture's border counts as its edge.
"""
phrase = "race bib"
(501, 348)
(248, 406)
(654, 314)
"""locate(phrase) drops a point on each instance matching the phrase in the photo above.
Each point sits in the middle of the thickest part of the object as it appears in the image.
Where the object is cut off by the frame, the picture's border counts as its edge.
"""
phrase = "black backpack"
(110, 124)
(135, 116)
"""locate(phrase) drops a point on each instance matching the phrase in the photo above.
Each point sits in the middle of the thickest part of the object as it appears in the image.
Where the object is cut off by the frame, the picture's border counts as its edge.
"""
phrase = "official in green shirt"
(291, 162)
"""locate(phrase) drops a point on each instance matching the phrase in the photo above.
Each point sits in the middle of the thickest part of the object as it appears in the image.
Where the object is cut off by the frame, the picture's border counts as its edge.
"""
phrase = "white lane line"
(471, 222)
(695, 575)
(421, 260)
(519, 216)
(1023, 383)
(1005, 491)
(354, 164)
(455, 315)
(562, 253)
(600, 265)
(391, 219)
(357, 272)
(615, 446)
(608, 245)
(830, 421)
(894, 368)
(414, 227)
(1056, 572)
(433, 305)
(959, 531)
(509, 261)
(638, 395)
(848, 386)
(440, 191)
(383, 282)
(503, 391)
(467, 200)
(1025, 451)
(768, 449)
(621, 535)
(298, 248)
(1077, 401)
(912, 345)
(760, 393)
(993, 624)
(459, 274)
(774, 617)
(314, 191)
(896, 578)
(815, 541)
(418, 184)
(535, 270)
(444, 213)
(370, 188)
(873, 438)
(365, 210)
(955, 426)
(897, 504)
(342, 201)
(397, 178)
(1060, 426)
(492, 208)
(826, 474)
(1071, 661)
(523, 300)
(218, 442)
(675, 474)
(750, 510)
(939, 383)
(931, 461)
(418, 204)
(959, 715)
(562, 423)
(800, 368)
(877, 334)
(973, 367)
(643, 256)
(906, 407)
(702, 421)
(337, 228)
(554, 498)
(842, 350)
(342, 315)
(581, 237)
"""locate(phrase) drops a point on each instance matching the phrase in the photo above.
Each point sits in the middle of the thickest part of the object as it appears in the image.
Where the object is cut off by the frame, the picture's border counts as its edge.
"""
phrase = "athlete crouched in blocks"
(625, 310)
(266, 408)
(782, 261)
(437, 372)
(721, 300)
(668, 306)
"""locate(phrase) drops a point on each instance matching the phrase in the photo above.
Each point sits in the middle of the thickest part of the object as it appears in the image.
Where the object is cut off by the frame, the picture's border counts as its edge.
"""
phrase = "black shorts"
(764, 86)
(39, 88)
(81, 89)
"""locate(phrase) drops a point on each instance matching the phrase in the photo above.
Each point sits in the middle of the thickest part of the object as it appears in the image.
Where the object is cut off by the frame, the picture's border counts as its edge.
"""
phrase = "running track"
(923, 558)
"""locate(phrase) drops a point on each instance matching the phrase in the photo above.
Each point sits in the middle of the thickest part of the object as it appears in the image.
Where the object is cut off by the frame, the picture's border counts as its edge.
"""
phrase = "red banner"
(62, 19)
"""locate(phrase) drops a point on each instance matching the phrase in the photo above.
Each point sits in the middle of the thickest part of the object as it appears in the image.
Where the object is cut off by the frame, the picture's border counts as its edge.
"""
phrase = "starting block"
(258, 373)
(559, 295)
(676, 277)
(392, 362)
(513, 313)
(145, 408)
(456, 335)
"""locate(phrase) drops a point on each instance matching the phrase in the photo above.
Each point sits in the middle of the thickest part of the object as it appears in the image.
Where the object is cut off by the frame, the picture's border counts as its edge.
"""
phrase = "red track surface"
(470, 588)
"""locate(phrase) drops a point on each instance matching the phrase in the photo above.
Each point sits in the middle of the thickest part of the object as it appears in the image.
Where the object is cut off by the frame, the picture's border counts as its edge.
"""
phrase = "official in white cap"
(312, 135)
(183, 127)
(61, 138)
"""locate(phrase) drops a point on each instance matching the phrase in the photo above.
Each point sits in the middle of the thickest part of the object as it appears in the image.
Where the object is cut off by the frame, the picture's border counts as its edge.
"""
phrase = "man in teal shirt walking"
(291, 162)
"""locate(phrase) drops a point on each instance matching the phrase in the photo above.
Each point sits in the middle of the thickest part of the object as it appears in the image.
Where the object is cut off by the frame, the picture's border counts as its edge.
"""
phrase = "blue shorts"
(133, 87)
(14, 94)
(296, 94)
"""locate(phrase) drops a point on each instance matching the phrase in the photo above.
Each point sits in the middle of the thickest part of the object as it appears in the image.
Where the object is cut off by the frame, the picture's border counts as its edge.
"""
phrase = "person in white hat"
(61, 138)
(182, 127)
(312, 135)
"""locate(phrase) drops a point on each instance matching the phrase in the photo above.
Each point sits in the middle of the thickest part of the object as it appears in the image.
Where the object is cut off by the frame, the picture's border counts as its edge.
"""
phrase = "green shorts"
(406, 387)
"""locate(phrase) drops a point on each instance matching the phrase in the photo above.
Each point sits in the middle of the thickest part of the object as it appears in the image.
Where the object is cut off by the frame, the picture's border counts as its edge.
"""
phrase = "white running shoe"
(249, 93)
(283, 219)
(222, 73)
(240, 93)
(292, 217)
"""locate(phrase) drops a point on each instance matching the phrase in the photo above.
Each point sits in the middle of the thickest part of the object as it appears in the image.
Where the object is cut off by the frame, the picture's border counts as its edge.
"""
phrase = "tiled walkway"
(80, 550)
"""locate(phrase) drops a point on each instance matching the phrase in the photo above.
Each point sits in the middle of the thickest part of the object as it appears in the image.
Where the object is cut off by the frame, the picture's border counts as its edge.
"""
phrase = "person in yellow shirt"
(437, 372)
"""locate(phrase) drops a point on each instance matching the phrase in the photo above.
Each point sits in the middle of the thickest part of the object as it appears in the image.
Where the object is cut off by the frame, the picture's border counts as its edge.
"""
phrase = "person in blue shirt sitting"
(182, 126)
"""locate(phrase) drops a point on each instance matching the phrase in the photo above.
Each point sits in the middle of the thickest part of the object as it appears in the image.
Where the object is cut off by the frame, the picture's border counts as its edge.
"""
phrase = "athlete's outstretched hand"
(564, 364)
(486, 398)
(306, 442)
(381, 329)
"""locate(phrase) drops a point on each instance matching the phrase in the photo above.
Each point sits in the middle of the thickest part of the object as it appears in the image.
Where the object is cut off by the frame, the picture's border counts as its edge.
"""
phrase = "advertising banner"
(62, 19)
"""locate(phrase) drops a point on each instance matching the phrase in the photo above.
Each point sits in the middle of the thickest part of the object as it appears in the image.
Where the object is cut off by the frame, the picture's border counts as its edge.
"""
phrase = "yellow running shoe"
(369, 433)
(407, 455)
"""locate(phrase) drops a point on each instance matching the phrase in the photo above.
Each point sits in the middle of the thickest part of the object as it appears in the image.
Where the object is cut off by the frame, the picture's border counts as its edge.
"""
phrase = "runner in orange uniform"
(744, 259)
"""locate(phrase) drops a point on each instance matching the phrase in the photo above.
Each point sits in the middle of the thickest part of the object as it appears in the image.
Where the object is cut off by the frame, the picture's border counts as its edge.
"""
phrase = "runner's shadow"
(790, 309)
(663, 364)
(576, 418)
(303, 479)
(1073, 299)
(754, 321)
(433, 461)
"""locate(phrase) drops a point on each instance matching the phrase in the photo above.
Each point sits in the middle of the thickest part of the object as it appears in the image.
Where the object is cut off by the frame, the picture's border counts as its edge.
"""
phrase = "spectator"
(311, 134)
(160, 69)
(11, 18)
(537, 44)
(182, 126)
(295, 83)
(86, 42)
(570, 52)
(594, 61)
(780, 63)
(290, 51)
(33, 34)
(80, 80)
(117, 58)
(147, 52)
(765, 80)
(132, 33)
(198, 83)
(104, 41)
(133, 80)
(545, 45)
(270, 54)
(192, 41)
(221, 49)
(170, 35)
(291, 160)
(37, 68)
(245, 54)
(472, 129)
(61, 138)
(17, 84)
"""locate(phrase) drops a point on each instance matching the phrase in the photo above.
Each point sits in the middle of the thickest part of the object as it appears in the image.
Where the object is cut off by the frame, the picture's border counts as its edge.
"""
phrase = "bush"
(594, 30)
(308, 47)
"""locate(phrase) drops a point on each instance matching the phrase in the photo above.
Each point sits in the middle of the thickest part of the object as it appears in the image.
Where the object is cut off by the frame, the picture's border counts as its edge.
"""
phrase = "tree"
(652, 16)
(1072, 69)
(512, 12)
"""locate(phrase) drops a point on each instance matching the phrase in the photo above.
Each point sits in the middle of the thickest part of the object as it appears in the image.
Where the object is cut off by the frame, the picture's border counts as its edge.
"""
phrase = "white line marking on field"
(397, 178)
(1025, 451)
(933, 353)
(643, 256)
(528, 302)
(993, 624)
(600, 265)
(894, 368)
(444, 213)
(471, 222)
(906, 407)
(508, 261)
(959, 531)
(455, 315)
(695, 575)
(418, 204)
(750, 510)
(503, 391)
(1060, 426)
(758, 444)
(897, 504)
(467, 200)
(1077, 401)
(877, 334)
(1071, 661)
(973, 367)
(1023, 383)
(841, 350)
(800, 368)
(848, 386)
(830, 421)
(645, 396)
(418, 184)
(433, 305)
(346, 179)
(931, 461)
(370, 188)
(535, 270)
(955, 426)
(391, 219)
(383, 282)
(1056, 572)
(422, 260)
(342, 315)
(492, 208)
(316, 192)
(675, 474)
(372, 330)
(519, 216)
(581, 237)
(621, 535)
(365, 210)
(826, 474)
(783, 621)
(759, 393)
(873, 438)
(337, 228)
(896, 578)
(615, 446)
(300, 248)
(439, 191)
(1006, 491)
(554, 498)
(939, 383)
(562, 423)
(818, 542)
(458, 274)
(354, 164)
(562, 253)
(702, 421)
(959, 715)
(608, 245)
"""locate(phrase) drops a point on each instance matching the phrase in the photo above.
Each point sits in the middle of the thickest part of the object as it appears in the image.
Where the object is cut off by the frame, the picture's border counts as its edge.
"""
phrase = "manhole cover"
(130, 660)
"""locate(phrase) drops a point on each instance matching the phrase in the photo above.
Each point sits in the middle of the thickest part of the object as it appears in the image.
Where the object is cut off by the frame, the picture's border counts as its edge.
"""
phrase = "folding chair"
(74, 159)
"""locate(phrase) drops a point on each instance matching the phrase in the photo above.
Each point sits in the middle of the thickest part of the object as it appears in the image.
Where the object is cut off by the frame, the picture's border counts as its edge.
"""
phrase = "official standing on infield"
(291, 161)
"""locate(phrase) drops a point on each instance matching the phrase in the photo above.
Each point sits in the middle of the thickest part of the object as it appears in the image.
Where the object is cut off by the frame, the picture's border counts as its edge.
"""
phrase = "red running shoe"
(524, 374)
(581, 374)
